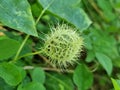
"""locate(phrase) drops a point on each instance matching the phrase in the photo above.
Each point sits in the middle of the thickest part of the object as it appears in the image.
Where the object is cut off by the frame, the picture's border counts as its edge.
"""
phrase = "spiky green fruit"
(62, 46)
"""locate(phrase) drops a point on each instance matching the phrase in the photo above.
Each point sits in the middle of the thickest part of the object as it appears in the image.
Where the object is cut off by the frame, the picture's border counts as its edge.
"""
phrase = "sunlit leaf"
(115, 84)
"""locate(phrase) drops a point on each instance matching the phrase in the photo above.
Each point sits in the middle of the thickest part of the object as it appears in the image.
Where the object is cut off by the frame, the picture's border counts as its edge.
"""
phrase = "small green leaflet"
(82, 77)
(105, 61)
(10, 73)
(38, 75)
(31, 86)
(8, 47)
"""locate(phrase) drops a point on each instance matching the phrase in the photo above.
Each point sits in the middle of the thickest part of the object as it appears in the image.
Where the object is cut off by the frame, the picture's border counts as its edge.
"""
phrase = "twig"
(44, 58)
(48, 69)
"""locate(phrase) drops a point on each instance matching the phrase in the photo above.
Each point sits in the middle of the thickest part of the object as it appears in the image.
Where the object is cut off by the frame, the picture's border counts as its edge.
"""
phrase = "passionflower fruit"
(62, 46)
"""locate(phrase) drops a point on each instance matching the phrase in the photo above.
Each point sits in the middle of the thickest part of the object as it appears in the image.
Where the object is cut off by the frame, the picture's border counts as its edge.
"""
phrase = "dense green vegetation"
(59, 44)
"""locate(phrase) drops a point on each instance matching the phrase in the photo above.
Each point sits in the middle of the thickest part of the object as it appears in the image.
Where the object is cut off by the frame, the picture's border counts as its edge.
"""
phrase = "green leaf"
(36, 9)
(88, 45)
(4, 86)
(31, 86)
(105, 61)
(118, 81)
(116, 62)
(10, 73)
(38, 75)
(106, 6)
(17, 14)
(104, 43)
(56, 81)
(68, 10)
(8, 47)
(115, 84)
(90, 57)
(82, 77)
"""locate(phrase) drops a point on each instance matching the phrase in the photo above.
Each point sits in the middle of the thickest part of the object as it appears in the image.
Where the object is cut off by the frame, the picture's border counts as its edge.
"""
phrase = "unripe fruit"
(62, 46)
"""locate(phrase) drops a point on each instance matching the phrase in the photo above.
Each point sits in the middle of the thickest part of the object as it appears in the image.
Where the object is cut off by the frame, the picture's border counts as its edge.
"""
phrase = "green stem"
(19, 50)
(30, 54)
(27, 36)
(43, 11)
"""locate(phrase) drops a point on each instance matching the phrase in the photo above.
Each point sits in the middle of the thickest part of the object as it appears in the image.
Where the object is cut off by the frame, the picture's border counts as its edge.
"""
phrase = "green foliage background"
(99, 62)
